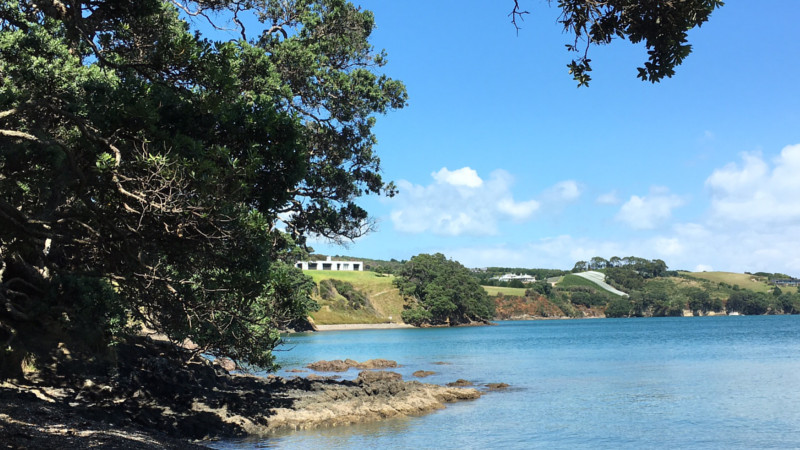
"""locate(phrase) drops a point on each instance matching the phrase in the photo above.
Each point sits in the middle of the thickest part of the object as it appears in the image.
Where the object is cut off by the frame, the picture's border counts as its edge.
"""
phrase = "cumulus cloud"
(758, 192)
(459, 202)
(461, 177)
(650, 211)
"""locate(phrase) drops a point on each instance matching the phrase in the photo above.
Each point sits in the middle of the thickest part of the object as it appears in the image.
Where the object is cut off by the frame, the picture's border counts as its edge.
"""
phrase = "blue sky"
(502, 161)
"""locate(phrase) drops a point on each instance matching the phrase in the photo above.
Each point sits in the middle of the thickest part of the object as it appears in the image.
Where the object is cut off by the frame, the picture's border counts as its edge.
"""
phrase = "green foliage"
(752, 303)
(619, 307)
(662, 26)
(133, 150)
(94, 312)
(541, 288)
(444, 290)
(355, 298)
(417, 316)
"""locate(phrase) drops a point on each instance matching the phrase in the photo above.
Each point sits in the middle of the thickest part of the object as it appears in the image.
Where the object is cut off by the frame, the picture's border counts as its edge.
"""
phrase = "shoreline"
(158, 397)
(362, 326)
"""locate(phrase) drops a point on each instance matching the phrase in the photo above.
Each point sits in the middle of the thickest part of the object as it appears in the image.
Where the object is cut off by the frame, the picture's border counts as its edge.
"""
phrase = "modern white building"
(513, 276)
(328, 264)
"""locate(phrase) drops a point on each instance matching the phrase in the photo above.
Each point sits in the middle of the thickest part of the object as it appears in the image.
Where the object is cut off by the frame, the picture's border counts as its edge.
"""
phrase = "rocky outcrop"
(337, 365)
(156, 396)
(423, 373)
(366, 400)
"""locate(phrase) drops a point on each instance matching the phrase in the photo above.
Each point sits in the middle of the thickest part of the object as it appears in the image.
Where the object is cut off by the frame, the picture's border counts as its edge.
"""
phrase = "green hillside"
(743, 280)
(494, 290)
(384, 301)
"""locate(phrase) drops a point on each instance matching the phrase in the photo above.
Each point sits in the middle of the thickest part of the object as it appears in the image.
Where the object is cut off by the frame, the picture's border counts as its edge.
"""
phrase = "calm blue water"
(700, 382)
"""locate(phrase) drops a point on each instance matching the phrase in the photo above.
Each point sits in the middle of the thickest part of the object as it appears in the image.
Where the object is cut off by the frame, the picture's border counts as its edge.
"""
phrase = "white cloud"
(648, 212)
(459, 202)
(461, 177)
(757, 192)
(752, 222)
(609, 198)
(563, 191)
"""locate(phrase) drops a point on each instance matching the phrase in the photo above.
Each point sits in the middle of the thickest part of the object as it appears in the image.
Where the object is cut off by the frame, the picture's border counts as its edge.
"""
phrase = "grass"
(743, 280)
(380, 290)
(494, 290)
(574, 280)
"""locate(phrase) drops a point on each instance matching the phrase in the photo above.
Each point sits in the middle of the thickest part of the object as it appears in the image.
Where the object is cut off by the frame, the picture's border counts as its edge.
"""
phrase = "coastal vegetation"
(441, 291)
(146, 166)
(650, 289)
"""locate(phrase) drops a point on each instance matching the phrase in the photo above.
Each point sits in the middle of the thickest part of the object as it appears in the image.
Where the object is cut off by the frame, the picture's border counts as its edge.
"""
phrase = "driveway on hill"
(599, 279)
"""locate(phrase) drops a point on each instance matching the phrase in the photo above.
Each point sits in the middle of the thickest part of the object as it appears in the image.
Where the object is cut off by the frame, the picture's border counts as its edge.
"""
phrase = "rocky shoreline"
(156, 400)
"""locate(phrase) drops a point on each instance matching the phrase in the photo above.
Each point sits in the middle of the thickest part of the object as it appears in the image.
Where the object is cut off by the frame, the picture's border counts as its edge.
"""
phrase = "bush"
(619, 307)
(416, 316)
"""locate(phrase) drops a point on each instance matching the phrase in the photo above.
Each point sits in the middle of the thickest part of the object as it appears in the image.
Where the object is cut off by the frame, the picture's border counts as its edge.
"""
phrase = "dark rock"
(460, 383)
(338, 365)
(496, 386)
(423, 373)
(368, 376)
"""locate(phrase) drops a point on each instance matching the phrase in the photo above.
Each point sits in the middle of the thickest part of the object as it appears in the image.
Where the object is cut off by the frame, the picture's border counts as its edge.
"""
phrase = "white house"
(328, 264)
(512, 276)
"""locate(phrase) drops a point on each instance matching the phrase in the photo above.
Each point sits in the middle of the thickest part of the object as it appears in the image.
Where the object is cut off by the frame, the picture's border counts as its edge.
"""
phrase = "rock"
(423, 373)
(496, 386)
(377, 364)
(315, 377)
(295, 370)
(368, 376)
(338, 365)
(226, 363)
(442, 363)
(460, 383)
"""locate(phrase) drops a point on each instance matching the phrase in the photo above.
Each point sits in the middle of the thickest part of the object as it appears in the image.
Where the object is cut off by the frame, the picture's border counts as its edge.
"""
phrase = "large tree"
(145, 170)
(441, 291)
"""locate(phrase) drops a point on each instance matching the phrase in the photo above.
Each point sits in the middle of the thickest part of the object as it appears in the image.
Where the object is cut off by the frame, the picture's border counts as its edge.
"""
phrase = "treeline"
(644, 267)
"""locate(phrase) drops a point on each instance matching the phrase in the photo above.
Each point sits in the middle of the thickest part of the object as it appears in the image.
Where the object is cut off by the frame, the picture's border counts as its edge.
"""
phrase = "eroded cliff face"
(509, 307)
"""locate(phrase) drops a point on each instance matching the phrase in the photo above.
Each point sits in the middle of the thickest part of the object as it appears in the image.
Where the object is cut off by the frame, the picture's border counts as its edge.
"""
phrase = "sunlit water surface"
(700, 382)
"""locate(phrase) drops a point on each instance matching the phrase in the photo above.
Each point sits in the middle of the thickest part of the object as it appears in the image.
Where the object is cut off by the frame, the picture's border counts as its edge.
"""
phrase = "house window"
(355, 267)
(327, 266)
(312, 266)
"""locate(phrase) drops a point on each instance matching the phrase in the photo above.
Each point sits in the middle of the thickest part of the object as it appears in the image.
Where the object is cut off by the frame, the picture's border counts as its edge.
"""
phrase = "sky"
(502, 161)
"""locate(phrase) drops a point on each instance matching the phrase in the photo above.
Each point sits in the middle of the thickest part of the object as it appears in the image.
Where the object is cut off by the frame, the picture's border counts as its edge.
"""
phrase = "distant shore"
(362, 326)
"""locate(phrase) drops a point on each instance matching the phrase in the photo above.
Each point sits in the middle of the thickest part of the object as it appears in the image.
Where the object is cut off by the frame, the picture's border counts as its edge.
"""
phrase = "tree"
(441, 291)
(144, 169)
(663, 26)
(580, 266)
(699, 300)
(619, 307)
(597, 263)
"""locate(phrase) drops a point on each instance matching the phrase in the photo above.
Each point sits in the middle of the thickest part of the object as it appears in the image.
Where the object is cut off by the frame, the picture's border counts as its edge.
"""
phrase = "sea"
(723, 382)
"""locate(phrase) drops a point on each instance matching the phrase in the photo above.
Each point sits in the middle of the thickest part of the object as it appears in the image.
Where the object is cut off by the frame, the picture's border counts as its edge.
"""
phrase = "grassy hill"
(494, 290)
(743, 280)
(384, 301)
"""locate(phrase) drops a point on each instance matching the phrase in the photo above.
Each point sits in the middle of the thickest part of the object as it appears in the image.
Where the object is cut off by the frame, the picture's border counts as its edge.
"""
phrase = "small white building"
(328, 264)
(513, 276)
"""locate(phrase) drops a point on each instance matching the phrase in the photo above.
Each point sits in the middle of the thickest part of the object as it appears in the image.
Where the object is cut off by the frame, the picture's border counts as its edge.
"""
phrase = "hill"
(743, 280)
(383, 304)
